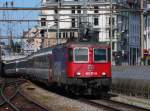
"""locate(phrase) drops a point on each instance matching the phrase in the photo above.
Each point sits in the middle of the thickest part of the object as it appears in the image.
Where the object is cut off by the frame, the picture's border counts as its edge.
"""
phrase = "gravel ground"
(53, 101)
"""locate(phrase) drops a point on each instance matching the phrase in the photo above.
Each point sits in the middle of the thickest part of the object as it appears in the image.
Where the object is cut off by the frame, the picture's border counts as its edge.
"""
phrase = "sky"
(17, 28)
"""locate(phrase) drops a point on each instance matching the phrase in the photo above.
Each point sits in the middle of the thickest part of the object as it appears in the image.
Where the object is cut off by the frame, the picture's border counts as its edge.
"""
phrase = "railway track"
(12, 102)
(110, 105)
(17, 101)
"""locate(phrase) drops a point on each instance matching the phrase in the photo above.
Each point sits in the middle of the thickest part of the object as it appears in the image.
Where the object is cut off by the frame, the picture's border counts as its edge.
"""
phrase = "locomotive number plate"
(91, 73)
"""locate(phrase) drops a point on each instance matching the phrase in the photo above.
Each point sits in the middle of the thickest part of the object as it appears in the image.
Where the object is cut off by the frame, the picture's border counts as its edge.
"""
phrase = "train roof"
(43, 51)
(48, 50)
(15, 60)
(89, 44)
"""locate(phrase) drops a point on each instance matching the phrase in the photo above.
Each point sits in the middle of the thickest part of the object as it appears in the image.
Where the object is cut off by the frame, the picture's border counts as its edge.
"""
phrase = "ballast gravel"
(55, 102)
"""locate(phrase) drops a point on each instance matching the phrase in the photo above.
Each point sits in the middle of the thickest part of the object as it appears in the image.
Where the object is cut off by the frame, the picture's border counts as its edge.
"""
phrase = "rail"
(8, 100)
(111, 105)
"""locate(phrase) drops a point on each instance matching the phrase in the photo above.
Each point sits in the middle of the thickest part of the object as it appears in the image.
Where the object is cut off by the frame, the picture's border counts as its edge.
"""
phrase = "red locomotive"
(78, 67)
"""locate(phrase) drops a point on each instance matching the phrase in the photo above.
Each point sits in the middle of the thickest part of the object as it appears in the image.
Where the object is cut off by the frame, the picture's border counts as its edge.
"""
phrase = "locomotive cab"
(89, 67)
(89, 61)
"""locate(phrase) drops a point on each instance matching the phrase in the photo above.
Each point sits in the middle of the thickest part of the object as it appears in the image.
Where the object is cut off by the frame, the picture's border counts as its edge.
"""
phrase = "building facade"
(147, 32)
(134, 45)
(147, 27)
(31, 40)
(78, 16)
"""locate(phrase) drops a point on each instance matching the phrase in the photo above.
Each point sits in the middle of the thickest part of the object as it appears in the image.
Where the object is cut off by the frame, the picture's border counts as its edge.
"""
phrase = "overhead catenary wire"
(62, 8)
(61, 20)
(6, 14)
(15, 37)
(26, 15)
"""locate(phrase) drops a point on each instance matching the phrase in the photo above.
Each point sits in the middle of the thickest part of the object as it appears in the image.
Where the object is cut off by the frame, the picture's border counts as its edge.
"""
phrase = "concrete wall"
(131, 72)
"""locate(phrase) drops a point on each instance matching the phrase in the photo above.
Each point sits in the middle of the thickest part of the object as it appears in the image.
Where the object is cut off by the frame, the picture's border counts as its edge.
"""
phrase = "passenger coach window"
(81, 54)
(100, 55)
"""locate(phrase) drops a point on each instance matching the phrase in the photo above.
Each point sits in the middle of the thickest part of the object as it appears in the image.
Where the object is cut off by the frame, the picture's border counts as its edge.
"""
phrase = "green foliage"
(16, 47)
(12, 45)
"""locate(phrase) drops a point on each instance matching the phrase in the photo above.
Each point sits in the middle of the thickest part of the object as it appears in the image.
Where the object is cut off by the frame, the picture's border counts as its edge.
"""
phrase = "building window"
(113, 21)
(49, 43)
(56, 0)
(113, 45)
(43, 23)
(64, 35)
(42, 32)
(56, 11)
(113, 33)
(71, 34)
(96, 22)
(60, 35)
(73, 10)
(73, 22)
(95, 9)
(56, 21)
(79, 9)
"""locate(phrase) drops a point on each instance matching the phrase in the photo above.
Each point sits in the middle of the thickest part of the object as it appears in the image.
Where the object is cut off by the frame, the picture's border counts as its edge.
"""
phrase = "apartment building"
(64, 24)
(31, 40)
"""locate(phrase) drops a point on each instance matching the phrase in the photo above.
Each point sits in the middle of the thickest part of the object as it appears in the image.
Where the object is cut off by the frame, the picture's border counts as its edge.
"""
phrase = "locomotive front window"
(100, 55)
(81, 54)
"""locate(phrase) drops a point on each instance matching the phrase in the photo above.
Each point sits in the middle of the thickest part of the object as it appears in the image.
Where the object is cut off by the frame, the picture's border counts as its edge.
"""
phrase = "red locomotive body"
(89, 60)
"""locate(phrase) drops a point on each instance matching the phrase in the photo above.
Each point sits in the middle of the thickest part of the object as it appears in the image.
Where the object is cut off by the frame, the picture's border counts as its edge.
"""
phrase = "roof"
(88, 44)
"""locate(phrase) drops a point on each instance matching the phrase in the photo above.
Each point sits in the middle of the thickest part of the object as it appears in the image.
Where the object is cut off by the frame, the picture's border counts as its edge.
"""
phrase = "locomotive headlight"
(17, 70)
(78, 74)
(103, 73)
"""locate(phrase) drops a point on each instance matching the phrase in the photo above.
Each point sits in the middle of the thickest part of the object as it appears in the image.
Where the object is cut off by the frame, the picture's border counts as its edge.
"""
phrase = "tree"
(12, 45)
(17, 47)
